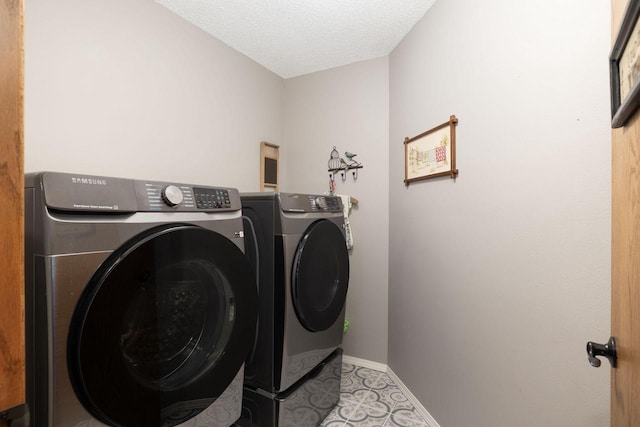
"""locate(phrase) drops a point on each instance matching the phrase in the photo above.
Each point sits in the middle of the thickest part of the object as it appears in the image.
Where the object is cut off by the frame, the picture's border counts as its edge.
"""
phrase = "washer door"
(162, 328)
(320, 276)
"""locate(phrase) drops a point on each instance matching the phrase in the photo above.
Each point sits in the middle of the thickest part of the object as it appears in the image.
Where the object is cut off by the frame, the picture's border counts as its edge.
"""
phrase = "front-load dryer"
(296, 245)
(140, 304)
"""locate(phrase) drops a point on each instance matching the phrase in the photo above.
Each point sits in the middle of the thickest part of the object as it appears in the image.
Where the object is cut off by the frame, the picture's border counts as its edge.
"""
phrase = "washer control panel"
(325, 203)
(157, 196)
(92, 193)
(212, 198)
(163, 196)
(309, 203)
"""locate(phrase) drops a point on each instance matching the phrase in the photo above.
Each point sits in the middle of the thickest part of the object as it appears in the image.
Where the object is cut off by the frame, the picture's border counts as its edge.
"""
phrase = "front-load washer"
(140, 303)
(296, 245)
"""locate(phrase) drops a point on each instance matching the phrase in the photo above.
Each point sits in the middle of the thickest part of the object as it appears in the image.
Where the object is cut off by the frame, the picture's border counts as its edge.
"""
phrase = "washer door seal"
(320, 276)
(162, 328)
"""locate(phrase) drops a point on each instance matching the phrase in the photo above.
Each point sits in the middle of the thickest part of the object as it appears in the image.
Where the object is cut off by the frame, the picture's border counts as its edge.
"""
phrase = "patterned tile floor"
(370, 398)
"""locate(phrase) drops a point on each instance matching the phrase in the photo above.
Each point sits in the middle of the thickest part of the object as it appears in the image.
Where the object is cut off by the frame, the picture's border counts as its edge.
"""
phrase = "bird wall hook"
(350, 156)
(338, 164)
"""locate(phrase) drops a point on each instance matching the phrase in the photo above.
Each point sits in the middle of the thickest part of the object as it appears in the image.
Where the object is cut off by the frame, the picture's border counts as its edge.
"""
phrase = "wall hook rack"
(338, 164)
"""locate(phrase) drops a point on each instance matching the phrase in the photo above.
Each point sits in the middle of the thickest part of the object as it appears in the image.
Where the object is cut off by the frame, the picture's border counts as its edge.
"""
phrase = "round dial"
(172, 195)
(321, 202)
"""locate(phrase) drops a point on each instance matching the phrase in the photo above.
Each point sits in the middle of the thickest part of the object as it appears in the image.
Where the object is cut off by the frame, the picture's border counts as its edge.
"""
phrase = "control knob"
(172, 195)
(321, 202)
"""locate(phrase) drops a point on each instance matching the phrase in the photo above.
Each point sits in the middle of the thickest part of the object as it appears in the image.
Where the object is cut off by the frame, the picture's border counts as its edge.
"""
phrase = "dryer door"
(162, 328)
(320, 276)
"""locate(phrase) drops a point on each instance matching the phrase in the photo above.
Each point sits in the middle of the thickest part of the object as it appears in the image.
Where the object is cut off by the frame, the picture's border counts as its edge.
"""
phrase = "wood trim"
(12, 359)
(625, 249)
(625, 274)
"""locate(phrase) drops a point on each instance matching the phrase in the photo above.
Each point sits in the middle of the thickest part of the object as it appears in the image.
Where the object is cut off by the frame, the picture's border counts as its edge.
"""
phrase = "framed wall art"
(432, 153)
(269, 154)
(624, 67)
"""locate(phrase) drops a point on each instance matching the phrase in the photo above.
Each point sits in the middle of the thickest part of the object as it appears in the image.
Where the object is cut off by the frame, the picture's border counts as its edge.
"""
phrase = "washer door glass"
(162, 328)
(320, 276)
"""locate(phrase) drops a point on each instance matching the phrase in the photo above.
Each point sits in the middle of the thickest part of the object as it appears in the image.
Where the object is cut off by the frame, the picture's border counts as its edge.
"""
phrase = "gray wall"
(127, 88)
(348, 107)
(499, 278)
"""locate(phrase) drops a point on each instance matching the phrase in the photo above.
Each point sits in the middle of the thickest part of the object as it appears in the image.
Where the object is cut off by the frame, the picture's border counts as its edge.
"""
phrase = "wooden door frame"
(625, 267)
(12, 350)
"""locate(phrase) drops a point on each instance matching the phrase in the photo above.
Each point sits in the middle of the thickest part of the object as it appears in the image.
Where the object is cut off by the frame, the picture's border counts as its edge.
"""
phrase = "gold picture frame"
(432, 153)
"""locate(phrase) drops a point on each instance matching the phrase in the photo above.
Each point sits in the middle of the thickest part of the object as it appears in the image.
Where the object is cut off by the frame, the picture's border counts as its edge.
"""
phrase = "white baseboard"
(365, 363)
(421, 409)
(384, 368)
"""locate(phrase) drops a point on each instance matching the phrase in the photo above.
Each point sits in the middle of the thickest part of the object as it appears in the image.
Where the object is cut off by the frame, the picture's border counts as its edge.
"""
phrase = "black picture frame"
(623, 109)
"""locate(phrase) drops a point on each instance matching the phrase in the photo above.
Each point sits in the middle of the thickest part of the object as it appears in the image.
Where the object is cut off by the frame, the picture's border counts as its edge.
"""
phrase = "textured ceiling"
(295, 37)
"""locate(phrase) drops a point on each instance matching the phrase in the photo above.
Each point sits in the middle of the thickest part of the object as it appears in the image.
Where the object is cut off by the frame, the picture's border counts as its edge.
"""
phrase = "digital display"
(207, 198)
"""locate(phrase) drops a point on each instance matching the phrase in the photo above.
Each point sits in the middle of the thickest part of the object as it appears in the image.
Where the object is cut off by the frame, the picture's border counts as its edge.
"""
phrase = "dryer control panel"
(309, 203)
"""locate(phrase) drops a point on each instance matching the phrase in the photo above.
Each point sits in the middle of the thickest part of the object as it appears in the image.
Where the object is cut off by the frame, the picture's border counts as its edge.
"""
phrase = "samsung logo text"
(89, 181)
